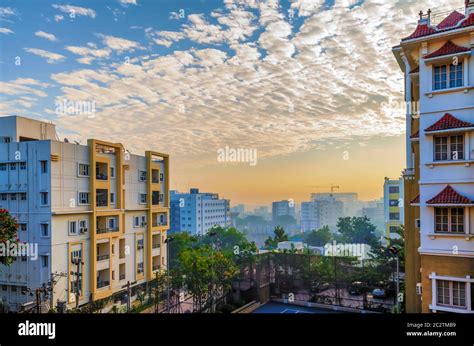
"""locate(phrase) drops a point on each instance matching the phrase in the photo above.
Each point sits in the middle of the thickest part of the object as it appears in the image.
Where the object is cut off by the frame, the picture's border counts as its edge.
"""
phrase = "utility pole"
(394, 250)
(38, 300)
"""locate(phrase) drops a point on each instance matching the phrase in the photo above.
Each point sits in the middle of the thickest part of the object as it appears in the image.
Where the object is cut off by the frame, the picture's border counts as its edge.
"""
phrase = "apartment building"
(197, 212)
(352, 205)
(282, 208)
(321, 212)
(393, 207)
(438, 65)
(94, 209)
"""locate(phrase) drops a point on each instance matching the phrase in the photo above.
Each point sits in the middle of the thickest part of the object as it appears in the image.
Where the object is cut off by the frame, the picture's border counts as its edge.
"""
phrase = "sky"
(309, 86)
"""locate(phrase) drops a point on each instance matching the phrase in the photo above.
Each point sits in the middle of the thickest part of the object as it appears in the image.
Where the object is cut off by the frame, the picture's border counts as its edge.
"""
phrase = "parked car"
(320, 286)
(379, 293)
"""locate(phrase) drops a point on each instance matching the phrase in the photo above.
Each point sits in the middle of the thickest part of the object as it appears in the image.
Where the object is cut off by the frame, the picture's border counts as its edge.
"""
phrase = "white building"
(321, 212)
(94, 202)
(437, 60)
(393, 208)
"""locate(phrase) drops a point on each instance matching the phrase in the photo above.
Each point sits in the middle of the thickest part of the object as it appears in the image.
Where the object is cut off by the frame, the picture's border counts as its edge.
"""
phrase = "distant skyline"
(308, 86)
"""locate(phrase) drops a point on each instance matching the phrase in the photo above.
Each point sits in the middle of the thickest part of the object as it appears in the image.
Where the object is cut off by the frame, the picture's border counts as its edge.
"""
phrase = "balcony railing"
(156, 223)
(102, 257)
(156, 267)
(101, 284)
(101, 203)
(156, 246)
(122, 277)
(101, 176)
(107, 230)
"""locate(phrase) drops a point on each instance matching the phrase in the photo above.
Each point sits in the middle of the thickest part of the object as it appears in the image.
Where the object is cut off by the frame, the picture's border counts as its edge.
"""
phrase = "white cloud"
(119, 44)
(58, 17)
(48, 36)
(128, 2)
(5, 31)
(51, 58)
(75, 10)
(7, 12)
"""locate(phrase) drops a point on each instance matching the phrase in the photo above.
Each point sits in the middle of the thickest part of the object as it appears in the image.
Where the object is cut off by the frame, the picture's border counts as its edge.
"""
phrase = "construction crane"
(332, 187)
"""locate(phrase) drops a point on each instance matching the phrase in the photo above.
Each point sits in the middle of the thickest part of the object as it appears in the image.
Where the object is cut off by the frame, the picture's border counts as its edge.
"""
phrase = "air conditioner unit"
(83, 230)
(143, 223)
(419, 289)
(417, 223)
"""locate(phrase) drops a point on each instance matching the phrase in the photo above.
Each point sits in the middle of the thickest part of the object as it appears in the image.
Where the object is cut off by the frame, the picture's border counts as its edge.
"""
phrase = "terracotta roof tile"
(449, 196)
(415, 200)
(421, 30)
(448, 122)
(469, 21)
(447, 49)
(452, 20)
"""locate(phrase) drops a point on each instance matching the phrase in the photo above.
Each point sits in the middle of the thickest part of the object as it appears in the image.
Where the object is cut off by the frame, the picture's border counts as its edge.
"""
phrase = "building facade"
(439, 177)
(393, 207)
(319, 213)
(92, 209)
(197, 212)
(282, 208)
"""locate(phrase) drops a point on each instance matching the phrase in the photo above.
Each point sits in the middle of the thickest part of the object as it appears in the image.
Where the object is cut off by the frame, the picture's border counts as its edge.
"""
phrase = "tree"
(182, 241)
(318, 237)
(357, 230)
(279, 236)
(286, 221)
(8, 236)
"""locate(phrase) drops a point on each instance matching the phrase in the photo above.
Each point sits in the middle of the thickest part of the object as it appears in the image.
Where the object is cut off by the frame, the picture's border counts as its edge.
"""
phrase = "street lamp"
(168, 240)
(212, 234)
(396, 251)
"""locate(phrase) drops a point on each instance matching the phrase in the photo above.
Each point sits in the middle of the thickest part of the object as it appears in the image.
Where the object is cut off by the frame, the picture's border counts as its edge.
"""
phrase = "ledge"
(467, 237)
(466, 163)
(435, 308)
(465, 89)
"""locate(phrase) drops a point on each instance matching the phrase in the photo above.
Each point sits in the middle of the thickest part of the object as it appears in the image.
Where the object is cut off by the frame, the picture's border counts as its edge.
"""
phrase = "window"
(112, 198)
(83, 170)
(449, 220)
(23, 227)
(393, 189)
(13, 197)
(456, 147)
(3, 166)
(449, 148)
(83, 197)
(72, 227)
(44, 166)
(44, 261)
(162, 176)
(136, 221)
(22, 166)
(83, 226)
(142, 198)
(23, 196)
(143, 220)
(3, 196)
(44, 198)
(393, 202)
(112, 172)
(140, 268)
(455, 75)
(111, 223)
(13, 166)
(394, 216)
(141, 175)
(23, 258)
(440, 77)
(44, 230)
(13, 288)
(5, 140)
(76, 254)
(445, 75)
(451, 293)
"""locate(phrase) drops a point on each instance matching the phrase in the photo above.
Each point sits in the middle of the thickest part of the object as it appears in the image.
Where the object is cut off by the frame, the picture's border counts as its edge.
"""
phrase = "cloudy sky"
(311, 85)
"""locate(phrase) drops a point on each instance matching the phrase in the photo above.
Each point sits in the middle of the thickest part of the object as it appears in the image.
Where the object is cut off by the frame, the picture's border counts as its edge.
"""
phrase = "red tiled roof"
(415, 70)
(448, 122)
(415, 135)
(452, 20)
(469, 21)
(415, 200)
(448, 48)
(449, 196)
(421, 30)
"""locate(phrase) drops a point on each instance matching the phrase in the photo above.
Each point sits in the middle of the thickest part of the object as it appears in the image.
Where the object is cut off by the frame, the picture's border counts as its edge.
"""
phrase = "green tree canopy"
(318, 237)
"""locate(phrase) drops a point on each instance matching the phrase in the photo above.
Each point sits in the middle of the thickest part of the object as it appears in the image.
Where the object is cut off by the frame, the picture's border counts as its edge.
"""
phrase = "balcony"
(156, 267)
(103, 278)
(101, 171)
(155, 176)
(122, 277)
(159, 219)
(107, 230)
(101, 284)
(156, 245)
(102, 197)
(103, 252)
(102, 257)
(156, 263)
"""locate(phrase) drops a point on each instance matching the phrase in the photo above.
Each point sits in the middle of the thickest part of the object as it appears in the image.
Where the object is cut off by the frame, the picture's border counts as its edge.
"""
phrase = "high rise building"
(393, 207)
(438, 65)
(325, 211)
(95, 203)
(197, 212)
(282, 208)
(352, 205)
(374, 210)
